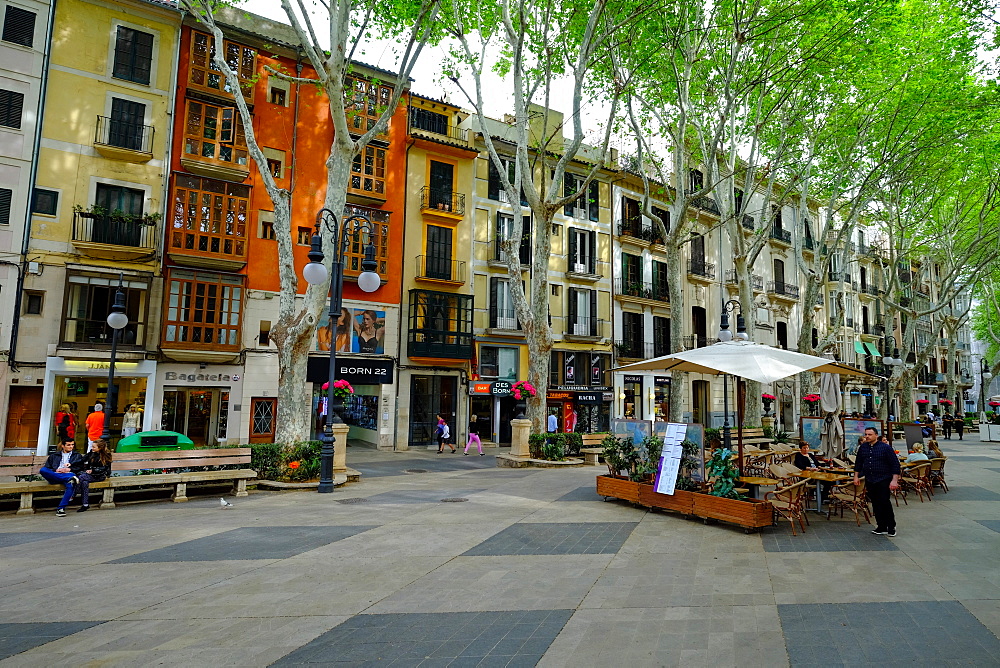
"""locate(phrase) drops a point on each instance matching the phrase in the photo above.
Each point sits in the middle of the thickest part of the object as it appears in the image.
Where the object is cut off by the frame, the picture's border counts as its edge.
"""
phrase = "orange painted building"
(218, 378)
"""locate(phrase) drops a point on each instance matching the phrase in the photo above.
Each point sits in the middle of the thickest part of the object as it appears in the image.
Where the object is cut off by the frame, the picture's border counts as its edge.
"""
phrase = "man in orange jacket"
(95, 425)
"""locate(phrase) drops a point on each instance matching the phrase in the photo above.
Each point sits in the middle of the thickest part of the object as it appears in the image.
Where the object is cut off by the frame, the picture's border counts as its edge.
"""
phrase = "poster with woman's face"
(343, 335)
(369, 331)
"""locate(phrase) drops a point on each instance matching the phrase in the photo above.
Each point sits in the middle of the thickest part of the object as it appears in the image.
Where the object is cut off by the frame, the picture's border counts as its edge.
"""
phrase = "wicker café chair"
(778, 471)
(851, 497)
(917, 479)
(937, 473)
(789, 503)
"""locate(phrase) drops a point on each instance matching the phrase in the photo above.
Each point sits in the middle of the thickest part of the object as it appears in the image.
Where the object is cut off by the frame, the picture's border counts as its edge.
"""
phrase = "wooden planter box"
(750, 514)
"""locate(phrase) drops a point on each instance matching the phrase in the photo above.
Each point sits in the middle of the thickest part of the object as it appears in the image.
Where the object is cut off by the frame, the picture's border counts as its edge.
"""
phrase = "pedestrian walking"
(474, 435)
(443, 433)
(877, 463)
(58, 470)
(95, 467)
(65, 424)
(958, 424)
(946, 424)
(553, 422)
(131, 421)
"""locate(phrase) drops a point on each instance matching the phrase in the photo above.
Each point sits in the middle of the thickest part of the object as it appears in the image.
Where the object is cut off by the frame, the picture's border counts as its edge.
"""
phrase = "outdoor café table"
(756, 482)
(819, 477)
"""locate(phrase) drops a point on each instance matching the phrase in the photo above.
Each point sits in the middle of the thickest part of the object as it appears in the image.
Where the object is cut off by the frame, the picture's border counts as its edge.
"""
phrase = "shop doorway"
(482, 408)
(429, 396)
(198, 414)
(23, 417)
(263, 419)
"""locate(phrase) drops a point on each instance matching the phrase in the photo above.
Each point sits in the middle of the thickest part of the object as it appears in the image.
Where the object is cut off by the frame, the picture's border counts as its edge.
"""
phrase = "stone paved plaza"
(445, 560)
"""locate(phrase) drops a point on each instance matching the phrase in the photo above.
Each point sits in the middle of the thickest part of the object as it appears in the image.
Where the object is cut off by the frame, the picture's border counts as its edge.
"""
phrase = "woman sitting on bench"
(95, 467)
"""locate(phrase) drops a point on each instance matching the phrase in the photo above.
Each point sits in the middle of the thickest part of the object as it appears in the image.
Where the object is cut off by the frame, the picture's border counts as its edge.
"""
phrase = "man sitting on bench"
(58, 470)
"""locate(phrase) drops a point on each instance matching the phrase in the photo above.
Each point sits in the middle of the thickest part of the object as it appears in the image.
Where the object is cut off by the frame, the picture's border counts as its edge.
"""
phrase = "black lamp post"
(888, 364)
(116, 321)
(984, 377)
(724, 336)
(315, 273)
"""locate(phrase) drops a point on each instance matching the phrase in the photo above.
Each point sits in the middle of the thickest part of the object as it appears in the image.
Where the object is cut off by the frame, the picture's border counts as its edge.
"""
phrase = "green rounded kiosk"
(155, 440)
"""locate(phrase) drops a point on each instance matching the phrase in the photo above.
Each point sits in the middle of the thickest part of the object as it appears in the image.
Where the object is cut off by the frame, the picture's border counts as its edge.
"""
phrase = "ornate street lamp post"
(117, 320)
(315, 273)
(888, 364)
(726, 335)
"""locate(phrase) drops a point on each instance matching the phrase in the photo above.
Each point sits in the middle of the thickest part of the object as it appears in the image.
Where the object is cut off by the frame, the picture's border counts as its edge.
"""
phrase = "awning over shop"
(865, 348)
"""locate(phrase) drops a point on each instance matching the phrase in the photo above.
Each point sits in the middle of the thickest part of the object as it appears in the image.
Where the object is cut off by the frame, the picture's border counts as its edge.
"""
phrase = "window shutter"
(525, 248)
(573, 250)
(19, 26)
(11, 105)
(494, 181)
(594, 205)
(569, 187)
(5, 198)
(493, 300)
(572, 309)
(592, 258)
(593, 312)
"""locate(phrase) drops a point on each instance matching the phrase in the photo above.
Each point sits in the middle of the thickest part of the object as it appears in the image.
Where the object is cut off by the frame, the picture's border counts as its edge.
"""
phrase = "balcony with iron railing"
(635, 229)
(701, 269)
(748, 223)
(706, 204)
(783, 290)
(442, 201)
(642, 290)
(436, 124)
(434, 268)
(756, 281)
(809, 244)
(634, 349)
(870, 289)
(839, 276)
(584, 328)
(695, 341)
(123, 140)
(114, 235)
(781, 236)
(498, 258)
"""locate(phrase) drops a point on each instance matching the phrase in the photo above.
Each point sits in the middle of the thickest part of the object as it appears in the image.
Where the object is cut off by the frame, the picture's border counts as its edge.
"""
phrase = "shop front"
(369, 410)
(203, 402)
(642, 396)
(80, 384)
(494, 406)
(661, 398)
(581, 409)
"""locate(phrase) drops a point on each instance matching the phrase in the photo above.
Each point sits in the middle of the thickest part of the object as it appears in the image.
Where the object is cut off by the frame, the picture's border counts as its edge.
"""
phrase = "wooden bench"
(161, 461)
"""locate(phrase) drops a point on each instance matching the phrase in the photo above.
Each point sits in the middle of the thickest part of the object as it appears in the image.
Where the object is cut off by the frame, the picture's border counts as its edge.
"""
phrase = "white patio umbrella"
(832, 431)
(745, 359)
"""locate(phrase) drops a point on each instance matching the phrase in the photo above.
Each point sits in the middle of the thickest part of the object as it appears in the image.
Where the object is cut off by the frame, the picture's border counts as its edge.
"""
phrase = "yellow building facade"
(98, 206)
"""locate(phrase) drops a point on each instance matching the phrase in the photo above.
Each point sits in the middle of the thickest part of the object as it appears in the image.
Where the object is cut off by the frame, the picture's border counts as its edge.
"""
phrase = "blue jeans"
(57, 478)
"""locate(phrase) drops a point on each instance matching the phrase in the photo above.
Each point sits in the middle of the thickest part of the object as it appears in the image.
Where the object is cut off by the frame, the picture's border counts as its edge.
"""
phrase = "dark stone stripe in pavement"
(585, 493)
(20, 637)
(518, 637)
(962, 493)
(12, 539)
(555, 538)
(900, 633)
(261, 542)
(398, 466)
(991, 524)
(827, 536)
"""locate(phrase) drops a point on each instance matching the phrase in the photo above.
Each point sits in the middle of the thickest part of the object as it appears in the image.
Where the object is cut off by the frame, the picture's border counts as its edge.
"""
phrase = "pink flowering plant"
(995, 403)
(768, 397)
(811, 398)
(923, 402)
(945, 402)
(341, 388)
(522, 389)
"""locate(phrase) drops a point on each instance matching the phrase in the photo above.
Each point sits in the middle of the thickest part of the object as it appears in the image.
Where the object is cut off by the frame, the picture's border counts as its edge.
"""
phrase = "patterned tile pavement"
(531, 570)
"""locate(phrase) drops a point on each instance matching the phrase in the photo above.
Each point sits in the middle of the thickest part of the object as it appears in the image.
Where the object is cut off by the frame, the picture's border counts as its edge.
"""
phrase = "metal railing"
(701, 268)
(783, 289)
(131, 231)
(441, 199)
(634, 349)
(809, 244)
(440, 268)
(780, 235)
(635, 229)
(585, 327)
(122, 134)
(523, 252)
(503, 318)
(870, 289)
(839, 276)
(435, 124)
(642, 290)
(694, 341)
(748, 222)
(756, 281)
(706, 204)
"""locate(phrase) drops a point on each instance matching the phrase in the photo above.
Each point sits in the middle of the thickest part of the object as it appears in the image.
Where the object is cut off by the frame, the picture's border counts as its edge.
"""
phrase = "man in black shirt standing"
(877, 462)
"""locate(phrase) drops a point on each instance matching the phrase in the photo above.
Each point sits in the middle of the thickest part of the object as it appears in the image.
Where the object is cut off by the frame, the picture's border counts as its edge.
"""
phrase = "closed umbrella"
(832, 432)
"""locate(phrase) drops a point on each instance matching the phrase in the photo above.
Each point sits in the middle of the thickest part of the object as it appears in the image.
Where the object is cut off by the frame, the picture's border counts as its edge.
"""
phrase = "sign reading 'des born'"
(670, 458)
